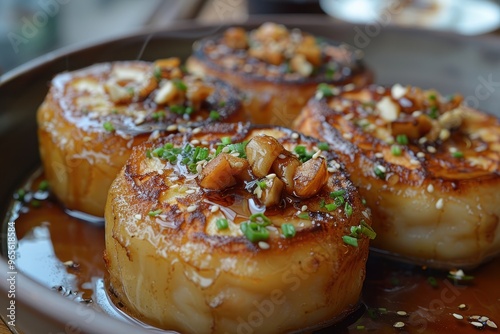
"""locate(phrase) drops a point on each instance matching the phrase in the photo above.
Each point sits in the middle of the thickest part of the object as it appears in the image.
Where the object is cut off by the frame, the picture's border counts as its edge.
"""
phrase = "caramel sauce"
(66, 254)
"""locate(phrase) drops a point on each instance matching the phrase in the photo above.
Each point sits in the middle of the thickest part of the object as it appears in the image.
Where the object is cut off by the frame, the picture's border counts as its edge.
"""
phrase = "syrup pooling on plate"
(432, 302)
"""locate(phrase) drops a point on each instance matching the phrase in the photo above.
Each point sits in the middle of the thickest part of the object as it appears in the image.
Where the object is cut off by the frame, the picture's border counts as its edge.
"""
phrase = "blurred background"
(29, 28)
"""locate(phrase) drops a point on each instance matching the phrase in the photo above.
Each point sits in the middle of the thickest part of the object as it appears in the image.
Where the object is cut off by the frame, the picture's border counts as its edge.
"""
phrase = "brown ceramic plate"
(447, 62)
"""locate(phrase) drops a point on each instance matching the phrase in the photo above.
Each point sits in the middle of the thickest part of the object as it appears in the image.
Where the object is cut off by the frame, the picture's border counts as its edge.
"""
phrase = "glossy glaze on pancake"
(91, 118)
(427, 165)
(172, 265)
(277, 68)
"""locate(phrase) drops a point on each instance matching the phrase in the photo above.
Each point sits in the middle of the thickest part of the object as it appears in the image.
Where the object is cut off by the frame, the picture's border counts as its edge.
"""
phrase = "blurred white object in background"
(468, 17)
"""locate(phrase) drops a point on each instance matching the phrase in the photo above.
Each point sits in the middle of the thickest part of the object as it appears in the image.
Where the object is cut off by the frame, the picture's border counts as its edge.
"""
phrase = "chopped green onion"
(360, 327)
(322, 203)
(458, 278)
(214, 115)
(181, 110)
(382, 310)
(339, 201)
(179, 84)
(288, 230)
(433, 113)
(254, 232)
(396, 150)
(432, 281)
(43, 185)
(157, 115)
(432, 97)
(323, 146)
(330, 72)
(303, 215)
(35, 203)
(260, 218)
(337, 193)
(325, 90)
(222, 103)
(302, 153)
(225, 140)
(157, 73)
(130, 90)
(148, 154)
(379, 172)
(458, 155)
(155, 213)
(348, 209)
(363, 201)
(108, 126)
(331, 206)
(367, 230)
(262, 184)
(350, 240)
(221, 223)
(239, 147)
(402, 139)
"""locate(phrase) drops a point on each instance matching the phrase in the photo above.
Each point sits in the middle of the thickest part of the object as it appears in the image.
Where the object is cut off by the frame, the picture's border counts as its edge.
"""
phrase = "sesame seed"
(195, 141)
(430, 188)
(192, 208)
(477, 324)
(381, 168)
(457, 316)
(282, 156)
(484, 319)
(295, 135)
(379, 155)
(173, 186)
(316, 155)
(204, 142)
(190, 191)
(271, 176)
(414, 162)
(444, 134)
(68, 263)
(431, 149)
(349, 87)
(303, 208)
(439, 204)
(421, 155)
(235, 154)
(172, 127)
(331, 169)
(214, 208)
(474, 317)
(399, 324)
(199, 168)
(137, 216)
(225, 149)
(453, 149)
(263, 245)
(238, 164)
(402, 313)
(491, 324)
(271, 228)
(349, 116)
(481, 148)
(416, 113)
(462, 306)
(347, 136)
(196, 130)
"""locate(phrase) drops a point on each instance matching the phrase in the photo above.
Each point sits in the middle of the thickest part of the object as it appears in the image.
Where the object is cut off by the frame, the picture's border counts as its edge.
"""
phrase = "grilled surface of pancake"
(191, 245)
(427, 165)
(277, 69)
(91, 118)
